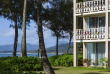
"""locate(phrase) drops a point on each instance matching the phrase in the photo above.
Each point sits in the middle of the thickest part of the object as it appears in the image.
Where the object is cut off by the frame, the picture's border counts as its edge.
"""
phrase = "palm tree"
(23, 45)
(46, 65)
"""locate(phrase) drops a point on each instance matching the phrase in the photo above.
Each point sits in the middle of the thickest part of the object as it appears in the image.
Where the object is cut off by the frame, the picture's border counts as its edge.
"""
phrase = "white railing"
(92, 33)
(90, 6)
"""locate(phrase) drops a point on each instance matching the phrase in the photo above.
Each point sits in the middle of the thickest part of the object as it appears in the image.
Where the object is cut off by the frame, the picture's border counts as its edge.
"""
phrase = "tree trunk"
(23, 45)
(57, 45)
(46, 65)
(16, 37)
(38, 52)
(69, 43)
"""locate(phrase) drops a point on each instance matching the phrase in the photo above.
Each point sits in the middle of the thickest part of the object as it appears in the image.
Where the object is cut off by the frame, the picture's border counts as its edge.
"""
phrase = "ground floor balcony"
(94, 53)
(91, 34)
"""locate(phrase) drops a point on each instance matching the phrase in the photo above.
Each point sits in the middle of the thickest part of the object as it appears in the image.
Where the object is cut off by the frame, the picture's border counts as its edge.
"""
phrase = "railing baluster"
(84, 7)
(109, 4)
(109, 32)
(95, 34)
(100, 33)
(103, 4)
(79, 7)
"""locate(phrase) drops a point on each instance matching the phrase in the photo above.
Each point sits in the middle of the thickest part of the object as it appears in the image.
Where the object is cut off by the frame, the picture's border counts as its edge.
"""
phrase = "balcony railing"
(91, 6)
(91, 34)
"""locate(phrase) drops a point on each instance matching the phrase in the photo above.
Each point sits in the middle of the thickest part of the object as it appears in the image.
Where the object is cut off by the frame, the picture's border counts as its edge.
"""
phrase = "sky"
(7, 34)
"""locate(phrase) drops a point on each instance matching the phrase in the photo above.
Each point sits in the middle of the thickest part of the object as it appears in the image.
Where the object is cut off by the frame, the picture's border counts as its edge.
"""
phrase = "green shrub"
(52, 59)
(20, 64)
(80, 60)
(65, 60)
(14, 72)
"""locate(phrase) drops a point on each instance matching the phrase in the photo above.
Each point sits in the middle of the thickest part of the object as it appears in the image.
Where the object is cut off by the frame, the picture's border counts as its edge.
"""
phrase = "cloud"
(7, 35)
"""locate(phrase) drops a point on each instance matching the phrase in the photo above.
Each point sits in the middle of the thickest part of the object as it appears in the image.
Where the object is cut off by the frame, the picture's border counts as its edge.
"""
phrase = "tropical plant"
(103, 61)
(20, 64)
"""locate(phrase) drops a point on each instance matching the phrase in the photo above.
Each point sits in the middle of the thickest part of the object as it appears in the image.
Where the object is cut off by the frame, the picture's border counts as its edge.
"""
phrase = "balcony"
(91, 6)
(91, 34)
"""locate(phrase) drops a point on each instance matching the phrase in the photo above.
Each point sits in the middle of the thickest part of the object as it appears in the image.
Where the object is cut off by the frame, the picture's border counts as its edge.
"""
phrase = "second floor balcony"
(91, 34)
(91, 6)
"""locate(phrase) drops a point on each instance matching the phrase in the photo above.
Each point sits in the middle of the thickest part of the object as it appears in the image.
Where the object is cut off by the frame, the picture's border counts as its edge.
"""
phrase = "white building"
(93, 31)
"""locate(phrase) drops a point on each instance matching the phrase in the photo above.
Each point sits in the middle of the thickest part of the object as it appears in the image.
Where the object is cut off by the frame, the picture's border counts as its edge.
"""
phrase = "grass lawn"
(80, 70)
(68, 70)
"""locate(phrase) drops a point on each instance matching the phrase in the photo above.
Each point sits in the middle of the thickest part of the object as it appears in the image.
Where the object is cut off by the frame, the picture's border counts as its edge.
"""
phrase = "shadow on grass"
(55, 68)
(92, 73)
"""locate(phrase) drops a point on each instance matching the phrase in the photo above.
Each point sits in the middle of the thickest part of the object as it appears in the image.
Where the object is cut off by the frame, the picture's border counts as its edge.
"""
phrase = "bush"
(80, 60)
(14, 72)
(20, 64)
(52, 59)
(64, 60)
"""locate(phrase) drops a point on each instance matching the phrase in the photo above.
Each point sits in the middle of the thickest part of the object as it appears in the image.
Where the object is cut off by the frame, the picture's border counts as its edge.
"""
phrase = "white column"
(75, 61)
(84, 44)
(106, 30)
(84, 54)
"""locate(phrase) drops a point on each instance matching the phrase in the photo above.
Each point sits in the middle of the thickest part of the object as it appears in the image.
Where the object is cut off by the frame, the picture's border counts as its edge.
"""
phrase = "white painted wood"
(90, 34)
(84, 54)
(106, 27)
(75, 60)
(91, 6)
(89, 41)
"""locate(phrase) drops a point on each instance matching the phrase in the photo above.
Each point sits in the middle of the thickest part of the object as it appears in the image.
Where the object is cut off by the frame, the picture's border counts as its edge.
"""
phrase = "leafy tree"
(67, 19)
(46, 65)
(54, 20)
(11, 9)
(59, 19)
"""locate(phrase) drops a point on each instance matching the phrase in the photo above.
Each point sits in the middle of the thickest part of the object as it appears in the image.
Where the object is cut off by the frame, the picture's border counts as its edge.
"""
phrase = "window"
(101, 21)
(80, 23)
(95, 22)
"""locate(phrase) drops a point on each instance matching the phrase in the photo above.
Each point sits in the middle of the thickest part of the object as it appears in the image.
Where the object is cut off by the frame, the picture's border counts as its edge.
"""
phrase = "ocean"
(28, 54)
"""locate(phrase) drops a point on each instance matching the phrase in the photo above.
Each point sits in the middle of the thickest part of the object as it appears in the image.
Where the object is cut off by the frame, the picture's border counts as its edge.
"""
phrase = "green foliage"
(103, 61)
(20, 64)
(64, 60)
(52, 59)
(80, 60)
(58, 18)
(14, 72)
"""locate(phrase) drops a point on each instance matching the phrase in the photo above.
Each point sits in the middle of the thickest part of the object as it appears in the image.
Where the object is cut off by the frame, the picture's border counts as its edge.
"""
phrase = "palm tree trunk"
(57, 45)
(23, 45)
(69, 43)
(46, 65)
(16, 37)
